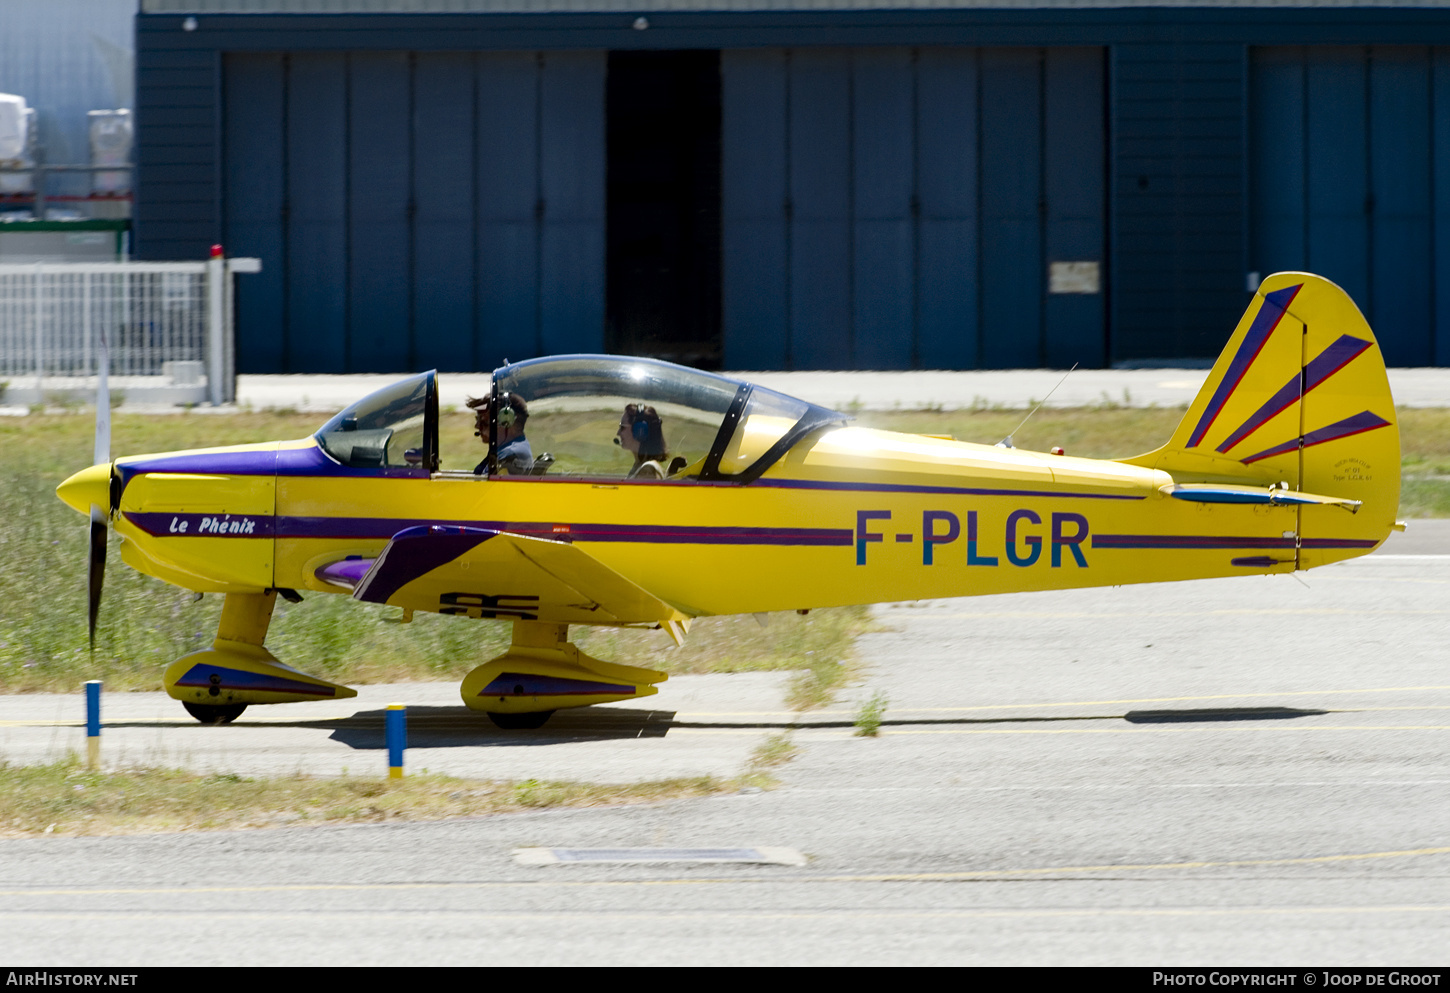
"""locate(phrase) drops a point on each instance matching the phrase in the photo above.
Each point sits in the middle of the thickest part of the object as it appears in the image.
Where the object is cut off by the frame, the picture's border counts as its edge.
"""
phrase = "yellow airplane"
(659, 494)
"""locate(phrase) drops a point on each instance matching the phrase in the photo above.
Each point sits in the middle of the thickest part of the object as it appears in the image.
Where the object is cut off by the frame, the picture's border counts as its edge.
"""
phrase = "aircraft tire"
(520, 722)
(209, 713)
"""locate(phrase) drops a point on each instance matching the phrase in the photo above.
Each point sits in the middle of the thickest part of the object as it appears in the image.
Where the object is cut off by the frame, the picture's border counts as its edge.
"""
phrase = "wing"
(484, 573)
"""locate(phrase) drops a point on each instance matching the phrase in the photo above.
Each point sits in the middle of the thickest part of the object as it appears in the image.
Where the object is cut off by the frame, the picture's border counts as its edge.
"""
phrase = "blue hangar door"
(415, 210)
(1350, 178)
(899, 208)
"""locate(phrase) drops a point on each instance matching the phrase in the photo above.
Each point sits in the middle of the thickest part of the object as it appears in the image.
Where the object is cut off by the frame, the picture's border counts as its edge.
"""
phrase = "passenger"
(642, 434)
(515, 457)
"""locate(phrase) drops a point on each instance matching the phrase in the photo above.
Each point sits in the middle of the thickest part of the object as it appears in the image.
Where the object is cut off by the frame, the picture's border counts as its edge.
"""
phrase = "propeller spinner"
(90, 492)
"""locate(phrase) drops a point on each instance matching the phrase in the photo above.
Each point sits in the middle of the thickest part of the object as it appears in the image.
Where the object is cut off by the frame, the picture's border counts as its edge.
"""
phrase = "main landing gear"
(217, 684)
(519, 690)
(210, 714)
(542, 672)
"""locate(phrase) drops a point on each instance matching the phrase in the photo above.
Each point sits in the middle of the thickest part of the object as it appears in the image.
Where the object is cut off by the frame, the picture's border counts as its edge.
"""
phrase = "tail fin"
(1299, 396)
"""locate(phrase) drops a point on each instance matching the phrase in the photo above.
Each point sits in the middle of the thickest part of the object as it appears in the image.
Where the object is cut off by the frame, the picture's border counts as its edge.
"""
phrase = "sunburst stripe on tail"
(1275, 306)
(1319, 369)
(1358, 424)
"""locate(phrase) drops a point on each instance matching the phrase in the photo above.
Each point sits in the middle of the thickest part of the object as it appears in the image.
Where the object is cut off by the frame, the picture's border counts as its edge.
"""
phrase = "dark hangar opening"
(663, 193)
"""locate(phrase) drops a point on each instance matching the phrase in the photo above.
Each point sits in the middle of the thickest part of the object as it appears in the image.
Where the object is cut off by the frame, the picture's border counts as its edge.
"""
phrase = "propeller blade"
(103, 402)
(96, 564)
(96, 569)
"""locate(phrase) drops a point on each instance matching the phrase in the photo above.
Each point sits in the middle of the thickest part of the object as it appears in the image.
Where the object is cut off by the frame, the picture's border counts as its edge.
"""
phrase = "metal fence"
(167, 327)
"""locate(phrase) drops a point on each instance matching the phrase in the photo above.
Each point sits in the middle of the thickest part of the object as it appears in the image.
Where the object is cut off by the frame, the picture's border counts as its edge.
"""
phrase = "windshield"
(395, 427)
(616, 417)
(766, 418)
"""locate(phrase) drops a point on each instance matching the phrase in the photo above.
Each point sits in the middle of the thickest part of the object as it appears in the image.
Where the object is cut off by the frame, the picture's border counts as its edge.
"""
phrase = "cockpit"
(603, 417)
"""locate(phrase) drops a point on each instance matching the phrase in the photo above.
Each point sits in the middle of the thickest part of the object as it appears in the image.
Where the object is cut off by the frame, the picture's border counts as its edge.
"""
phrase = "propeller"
(96, 566)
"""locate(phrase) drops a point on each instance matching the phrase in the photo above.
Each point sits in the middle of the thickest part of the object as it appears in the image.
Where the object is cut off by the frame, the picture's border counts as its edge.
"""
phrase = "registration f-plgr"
(1287, 459)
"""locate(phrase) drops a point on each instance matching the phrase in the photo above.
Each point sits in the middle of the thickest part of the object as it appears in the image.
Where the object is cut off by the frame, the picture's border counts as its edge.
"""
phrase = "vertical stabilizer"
(1299, 397)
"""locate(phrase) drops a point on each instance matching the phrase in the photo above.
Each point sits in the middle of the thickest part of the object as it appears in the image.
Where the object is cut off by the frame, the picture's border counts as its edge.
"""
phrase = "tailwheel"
(520, 722)
(211, 713)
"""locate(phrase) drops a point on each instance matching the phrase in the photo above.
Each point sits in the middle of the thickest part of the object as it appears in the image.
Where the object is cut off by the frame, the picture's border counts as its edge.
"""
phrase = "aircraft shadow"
(1218, 714)
(1132, 716)
(459, 727)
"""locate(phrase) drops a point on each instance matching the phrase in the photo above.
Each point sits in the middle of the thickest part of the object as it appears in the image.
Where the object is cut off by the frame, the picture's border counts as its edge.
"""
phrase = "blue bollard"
(397, 734)
(93, 724)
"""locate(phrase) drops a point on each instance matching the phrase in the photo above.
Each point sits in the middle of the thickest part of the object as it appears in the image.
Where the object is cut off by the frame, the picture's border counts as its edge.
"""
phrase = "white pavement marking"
(657, 856)
(850, 391)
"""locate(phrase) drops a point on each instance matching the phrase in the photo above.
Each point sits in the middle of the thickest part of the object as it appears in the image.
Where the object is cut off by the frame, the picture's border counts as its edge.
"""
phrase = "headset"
(507, 416)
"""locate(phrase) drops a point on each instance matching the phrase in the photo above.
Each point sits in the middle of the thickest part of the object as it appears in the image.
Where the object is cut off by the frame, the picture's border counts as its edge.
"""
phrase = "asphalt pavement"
(1230, 771)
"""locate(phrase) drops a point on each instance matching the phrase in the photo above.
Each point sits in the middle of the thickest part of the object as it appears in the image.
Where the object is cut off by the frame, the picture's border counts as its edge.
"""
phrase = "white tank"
(111, 138)
(14, 143)
(14, 124)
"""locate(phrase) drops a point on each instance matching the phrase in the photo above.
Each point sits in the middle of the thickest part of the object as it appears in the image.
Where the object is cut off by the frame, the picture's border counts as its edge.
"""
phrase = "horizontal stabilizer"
(1227, 493)
(495, 574)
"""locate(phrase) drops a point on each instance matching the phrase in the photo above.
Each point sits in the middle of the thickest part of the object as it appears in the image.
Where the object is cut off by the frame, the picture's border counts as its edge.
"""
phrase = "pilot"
(515, 457)
(642, 434)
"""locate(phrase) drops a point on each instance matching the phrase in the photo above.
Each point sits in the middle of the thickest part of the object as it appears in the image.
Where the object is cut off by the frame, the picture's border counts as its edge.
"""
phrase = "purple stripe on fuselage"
(359, 527)
(808, 484)
(1319, 369)
(1276, 304)
(384, 528)
(1184, 541)
(702, 535)
(1350, 426)
(387, 527)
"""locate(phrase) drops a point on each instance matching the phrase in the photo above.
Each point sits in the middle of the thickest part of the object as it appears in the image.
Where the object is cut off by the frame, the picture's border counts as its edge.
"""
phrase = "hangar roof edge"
(688, 6)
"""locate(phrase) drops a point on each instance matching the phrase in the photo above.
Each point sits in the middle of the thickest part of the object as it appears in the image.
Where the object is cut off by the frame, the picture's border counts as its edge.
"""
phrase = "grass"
(817, 684)
(1424, 496)
(64, 798)
(1103, 433)
(736, 644)
(868, 718)
(146, 624)
(774, 751)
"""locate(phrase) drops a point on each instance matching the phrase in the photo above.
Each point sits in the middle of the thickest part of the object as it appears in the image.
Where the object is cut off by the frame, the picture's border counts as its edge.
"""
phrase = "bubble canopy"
(609, 415)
